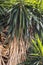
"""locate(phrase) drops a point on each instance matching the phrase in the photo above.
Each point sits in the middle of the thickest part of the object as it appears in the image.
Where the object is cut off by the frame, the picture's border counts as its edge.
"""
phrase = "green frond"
(19, 17)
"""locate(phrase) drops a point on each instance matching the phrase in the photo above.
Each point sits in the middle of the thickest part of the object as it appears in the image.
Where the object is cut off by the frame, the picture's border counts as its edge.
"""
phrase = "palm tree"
(17, 22)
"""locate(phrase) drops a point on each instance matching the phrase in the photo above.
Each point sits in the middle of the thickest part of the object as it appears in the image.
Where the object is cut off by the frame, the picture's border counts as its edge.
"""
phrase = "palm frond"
(18, 19)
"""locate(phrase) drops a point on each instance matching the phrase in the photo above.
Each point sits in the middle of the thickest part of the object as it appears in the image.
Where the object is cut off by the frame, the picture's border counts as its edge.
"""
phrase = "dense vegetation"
(24, 19)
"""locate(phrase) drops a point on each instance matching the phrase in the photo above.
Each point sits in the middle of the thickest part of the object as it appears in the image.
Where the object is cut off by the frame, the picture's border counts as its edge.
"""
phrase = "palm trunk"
(14, 53)
(0, 54)
(17, 52)
(1, 60)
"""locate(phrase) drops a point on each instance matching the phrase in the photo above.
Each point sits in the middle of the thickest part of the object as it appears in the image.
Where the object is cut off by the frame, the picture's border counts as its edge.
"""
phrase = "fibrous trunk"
(14, 52)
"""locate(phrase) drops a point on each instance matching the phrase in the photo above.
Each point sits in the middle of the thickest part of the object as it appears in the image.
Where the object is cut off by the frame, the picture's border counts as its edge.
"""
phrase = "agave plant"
(19, 18)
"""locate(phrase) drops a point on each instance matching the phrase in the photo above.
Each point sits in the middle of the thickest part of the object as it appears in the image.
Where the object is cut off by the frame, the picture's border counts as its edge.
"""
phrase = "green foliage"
(9, 3)
(34, 2)
(19, 17)
(35, 53)
(38, 45)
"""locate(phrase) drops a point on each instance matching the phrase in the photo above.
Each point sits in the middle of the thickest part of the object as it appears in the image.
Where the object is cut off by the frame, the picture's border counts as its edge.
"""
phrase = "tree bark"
(17, 52)
(14, 52)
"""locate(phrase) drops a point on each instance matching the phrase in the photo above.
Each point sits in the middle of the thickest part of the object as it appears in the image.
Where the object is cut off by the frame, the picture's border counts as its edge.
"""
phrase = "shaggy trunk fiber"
(13, 53)
(0, 54)
(17, 52)
(1, 59)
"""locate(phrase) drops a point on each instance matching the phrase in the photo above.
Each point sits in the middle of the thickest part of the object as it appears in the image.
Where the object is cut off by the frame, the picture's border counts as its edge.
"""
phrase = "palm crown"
(19, 17)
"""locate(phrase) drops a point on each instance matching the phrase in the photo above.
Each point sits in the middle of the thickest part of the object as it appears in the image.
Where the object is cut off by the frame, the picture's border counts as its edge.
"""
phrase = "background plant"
(35, 53)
